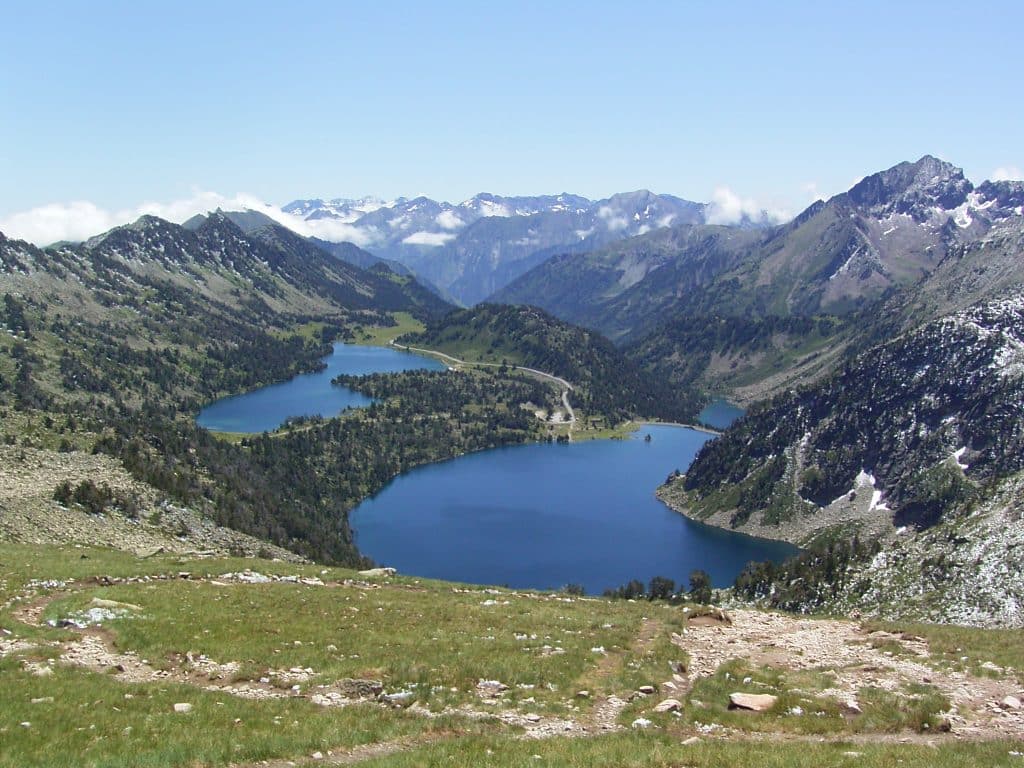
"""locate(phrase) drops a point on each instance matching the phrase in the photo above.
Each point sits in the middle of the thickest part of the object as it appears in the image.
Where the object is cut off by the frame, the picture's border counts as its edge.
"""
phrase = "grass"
(964, 648)
(419, 635)
(88, 719)
(412, 637)
(653, 750)
(382, 336)
(307, 331)
(799, 709)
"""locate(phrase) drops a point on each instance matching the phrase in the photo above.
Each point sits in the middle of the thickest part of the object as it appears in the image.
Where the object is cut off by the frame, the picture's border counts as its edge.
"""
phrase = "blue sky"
(112, 105)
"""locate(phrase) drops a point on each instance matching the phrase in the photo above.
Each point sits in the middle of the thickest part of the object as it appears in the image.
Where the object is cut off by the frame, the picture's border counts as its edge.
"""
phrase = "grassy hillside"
(327, 666)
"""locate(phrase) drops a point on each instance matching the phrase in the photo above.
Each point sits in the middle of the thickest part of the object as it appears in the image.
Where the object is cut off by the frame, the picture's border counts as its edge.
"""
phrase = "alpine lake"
(536, 516)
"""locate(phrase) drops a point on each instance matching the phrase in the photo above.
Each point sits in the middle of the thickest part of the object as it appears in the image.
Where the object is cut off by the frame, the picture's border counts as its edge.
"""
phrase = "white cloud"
(432, 239)
(613, 219)
(81, 219)
(449, 220)
(1007, 173)
(59, 221)
(810, 188)
(726, 207)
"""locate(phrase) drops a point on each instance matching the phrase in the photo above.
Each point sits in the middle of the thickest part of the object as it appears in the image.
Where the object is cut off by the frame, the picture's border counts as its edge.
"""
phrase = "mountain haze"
(476, 247)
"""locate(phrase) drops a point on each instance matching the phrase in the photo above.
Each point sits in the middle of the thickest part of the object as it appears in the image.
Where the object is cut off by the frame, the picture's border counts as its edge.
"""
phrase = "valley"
(227, 420)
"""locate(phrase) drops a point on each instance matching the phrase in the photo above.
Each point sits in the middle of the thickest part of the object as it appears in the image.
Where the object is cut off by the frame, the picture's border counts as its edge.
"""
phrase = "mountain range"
(474, 248)
(876, 336)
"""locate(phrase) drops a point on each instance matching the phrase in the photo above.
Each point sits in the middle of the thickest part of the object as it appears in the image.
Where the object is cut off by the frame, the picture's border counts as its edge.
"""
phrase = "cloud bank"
(1007, 173)
(81, 219)
(727, 207)
(432, 239)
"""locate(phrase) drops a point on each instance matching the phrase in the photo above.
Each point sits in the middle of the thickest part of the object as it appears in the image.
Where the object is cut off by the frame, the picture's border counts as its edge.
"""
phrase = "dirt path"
(788, 642)
(604, 716)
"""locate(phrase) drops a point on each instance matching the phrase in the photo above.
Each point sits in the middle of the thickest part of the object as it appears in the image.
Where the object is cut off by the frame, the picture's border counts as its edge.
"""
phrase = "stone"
(755, 702)
(490, 687)
(317, 755)
(357, 688)
(378, 572)
(582, 694)
(1010, 702)
(641, 722)
(532, 717)
(646, 690)
(43, 700)
(691, 741)
(183, 708)
(669, 705)
(99, 602)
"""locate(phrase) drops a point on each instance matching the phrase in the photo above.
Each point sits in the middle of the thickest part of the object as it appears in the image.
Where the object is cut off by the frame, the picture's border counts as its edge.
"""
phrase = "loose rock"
(755, 702)
(669, 705)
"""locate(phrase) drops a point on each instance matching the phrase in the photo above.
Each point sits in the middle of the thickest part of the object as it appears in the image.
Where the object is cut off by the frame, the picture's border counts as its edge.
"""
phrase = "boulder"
(1010, 702)
(669, 705)
(378, 572)
(646, 690)
(641, 722)
(183, 708)
(755, 702)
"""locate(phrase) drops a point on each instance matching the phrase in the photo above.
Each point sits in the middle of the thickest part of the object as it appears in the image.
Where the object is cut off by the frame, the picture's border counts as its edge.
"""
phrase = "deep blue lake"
(719, 414)
(310, 394)
(543, 516)
(531, 516)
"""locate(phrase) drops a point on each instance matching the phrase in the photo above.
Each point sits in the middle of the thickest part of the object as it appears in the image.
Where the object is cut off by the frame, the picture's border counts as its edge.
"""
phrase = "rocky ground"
(29, 514)
(963, 571)
(982, 707)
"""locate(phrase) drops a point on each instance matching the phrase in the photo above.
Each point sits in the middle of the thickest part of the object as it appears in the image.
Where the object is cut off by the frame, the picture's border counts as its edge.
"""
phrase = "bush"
(700, 587)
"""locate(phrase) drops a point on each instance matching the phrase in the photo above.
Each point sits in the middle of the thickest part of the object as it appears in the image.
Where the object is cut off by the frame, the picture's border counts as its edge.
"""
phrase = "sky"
(111, 109)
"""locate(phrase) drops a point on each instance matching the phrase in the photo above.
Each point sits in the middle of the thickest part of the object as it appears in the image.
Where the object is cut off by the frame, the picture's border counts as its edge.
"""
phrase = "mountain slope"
(889, 230)
(604, 382)
(113, 344)
(914, 433)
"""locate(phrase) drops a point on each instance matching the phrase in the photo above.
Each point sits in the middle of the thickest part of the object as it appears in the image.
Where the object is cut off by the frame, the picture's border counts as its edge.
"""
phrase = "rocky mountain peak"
(912, 188)
(1005, 196)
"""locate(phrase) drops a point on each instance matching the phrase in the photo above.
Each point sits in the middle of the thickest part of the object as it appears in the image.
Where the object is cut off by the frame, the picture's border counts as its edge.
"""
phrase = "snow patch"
(957, 455)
